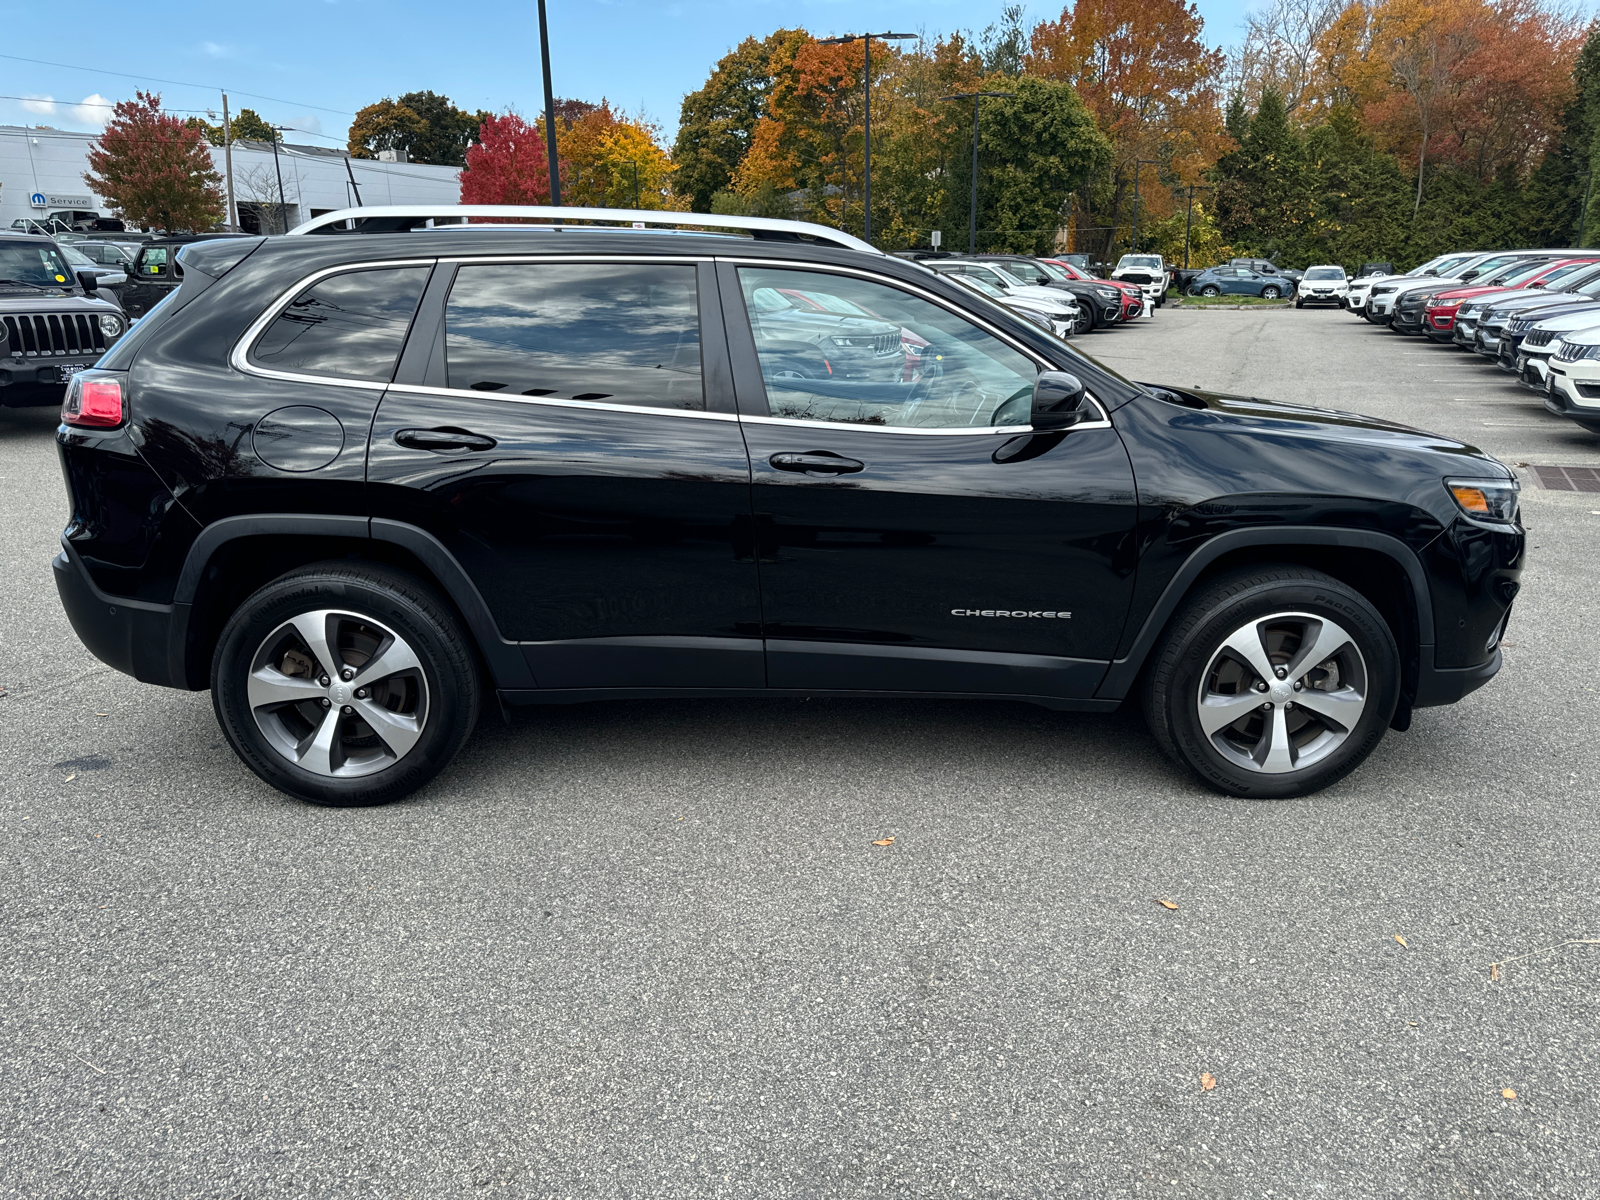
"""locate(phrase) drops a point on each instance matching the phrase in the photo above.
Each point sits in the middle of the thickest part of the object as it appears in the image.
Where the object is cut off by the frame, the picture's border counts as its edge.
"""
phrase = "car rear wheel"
(345, 684)
(1211, 289)
(1270, 293)
(1273, 682)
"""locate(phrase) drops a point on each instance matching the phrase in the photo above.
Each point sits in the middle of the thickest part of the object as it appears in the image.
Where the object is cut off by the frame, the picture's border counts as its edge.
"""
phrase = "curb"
(1235, 307)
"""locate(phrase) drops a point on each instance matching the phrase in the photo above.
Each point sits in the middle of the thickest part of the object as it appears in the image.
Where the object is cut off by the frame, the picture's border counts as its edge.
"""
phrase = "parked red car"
(1439, 313)
(1132, 297)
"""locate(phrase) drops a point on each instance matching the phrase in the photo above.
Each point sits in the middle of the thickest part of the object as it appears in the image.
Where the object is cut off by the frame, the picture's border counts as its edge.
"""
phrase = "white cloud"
(43, 105)
(216, 50)
(93, 109)
(308, 124)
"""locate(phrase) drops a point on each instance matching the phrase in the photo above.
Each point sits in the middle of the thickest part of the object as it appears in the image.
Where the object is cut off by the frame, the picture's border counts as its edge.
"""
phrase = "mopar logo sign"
(37, 200)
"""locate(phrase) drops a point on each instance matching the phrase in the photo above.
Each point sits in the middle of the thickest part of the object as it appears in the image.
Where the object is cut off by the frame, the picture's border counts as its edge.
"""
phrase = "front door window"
(840, 349)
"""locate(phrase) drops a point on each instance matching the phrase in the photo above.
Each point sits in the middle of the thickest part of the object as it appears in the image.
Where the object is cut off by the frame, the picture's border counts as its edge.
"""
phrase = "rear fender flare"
(505, 659)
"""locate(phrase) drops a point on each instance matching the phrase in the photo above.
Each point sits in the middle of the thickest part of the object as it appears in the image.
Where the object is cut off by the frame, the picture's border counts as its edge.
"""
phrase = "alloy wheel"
(338, 694)
(1282, 692)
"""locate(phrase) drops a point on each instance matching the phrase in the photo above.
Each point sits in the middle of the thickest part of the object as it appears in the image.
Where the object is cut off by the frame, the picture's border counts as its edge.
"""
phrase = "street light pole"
(549, 112)
(1188, 220)
(867, 122)
(1137, 163)
(972, 224)
(283, 206)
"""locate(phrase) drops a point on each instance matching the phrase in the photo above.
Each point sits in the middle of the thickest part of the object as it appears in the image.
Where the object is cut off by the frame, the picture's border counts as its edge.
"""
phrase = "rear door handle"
(816, 462)
(440, 440)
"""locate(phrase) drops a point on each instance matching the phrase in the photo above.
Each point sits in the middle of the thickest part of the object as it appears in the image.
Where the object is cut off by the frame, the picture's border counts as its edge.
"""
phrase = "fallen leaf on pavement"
(1509, 1093)
(1167, 904)
(1494, 972)
(888, 841)
(70, 778)
(1207, 1081)
(1401, 940)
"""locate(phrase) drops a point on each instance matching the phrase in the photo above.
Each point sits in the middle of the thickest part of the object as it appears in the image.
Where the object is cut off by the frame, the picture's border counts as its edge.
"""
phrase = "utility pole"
(975, 97)
(867, 140)
(549, 111)
(227, 163)
(635, 165)
(283, 205)
(1188, 219)
(351, 171)
(1136, 165)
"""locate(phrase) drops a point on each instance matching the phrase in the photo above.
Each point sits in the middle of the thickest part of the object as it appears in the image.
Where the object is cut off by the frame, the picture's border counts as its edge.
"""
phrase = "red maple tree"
(154, 169)
(507, 165)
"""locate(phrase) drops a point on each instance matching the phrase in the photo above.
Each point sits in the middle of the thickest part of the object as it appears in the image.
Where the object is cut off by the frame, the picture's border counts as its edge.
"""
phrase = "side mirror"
(1469, 275)
(1057, 401)
(88, 280)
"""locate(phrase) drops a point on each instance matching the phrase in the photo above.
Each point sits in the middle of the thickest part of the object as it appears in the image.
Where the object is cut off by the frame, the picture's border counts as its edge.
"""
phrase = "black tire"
(1210, 290)
(1270, 293)
(1086, 320)
(375, 609)
(1193, 655)
(1299, 303)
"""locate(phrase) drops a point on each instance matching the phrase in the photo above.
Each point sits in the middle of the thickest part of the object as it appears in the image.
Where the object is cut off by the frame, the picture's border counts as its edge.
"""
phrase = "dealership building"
(42, 169)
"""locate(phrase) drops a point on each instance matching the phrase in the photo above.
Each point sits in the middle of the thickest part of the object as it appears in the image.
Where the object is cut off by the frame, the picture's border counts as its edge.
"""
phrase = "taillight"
(94, 402)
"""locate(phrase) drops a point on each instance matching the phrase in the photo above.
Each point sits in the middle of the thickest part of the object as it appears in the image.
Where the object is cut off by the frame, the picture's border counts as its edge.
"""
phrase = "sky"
(312, 63)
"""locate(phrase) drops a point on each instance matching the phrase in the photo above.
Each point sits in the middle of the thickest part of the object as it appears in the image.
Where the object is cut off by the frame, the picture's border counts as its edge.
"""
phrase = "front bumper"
(1320, 298)
(1565, 387)
(31, 374)
(1437, 686)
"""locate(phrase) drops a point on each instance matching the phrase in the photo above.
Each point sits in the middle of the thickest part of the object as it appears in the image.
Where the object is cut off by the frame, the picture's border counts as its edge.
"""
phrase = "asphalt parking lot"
(649, 950)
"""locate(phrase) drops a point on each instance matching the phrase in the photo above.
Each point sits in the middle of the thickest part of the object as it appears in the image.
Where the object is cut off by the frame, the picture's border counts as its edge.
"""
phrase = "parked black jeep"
(53, 323)
(156, 272)
(355, 484)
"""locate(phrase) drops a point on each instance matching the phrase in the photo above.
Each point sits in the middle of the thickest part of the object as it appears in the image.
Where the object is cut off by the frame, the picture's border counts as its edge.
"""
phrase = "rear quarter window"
(347, 326)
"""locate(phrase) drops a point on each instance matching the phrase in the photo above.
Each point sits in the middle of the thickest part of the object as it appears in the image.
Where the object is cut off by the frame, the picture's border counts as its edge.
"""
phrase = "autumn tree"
(507, 165)
(155, 169)
(718, 120)
(427, 126)
(1143, 70)
(246, 126)
(607, 159)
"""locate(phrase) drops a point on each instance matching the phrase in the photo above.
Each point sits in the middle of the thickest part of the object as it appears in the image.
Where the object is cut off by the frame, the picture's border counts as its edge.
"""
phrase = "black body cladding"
(598, 547)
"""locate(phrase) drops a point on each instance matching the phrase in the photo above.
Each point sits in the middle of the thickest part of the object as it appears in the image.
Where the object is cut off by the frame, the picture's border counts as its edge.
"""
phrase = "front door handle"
(816, 462)
(440, 440)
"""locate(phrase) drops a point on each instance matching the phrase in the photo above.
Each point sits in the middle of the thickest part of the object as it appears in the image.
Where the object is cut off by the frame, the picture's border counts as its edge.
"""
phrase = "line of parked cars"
(1534, 313)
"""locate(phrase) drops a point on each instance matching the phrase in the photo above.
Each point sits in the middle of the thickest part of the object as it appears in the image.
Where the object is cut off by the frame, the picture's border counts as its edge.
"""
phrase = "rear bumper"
(134, 636)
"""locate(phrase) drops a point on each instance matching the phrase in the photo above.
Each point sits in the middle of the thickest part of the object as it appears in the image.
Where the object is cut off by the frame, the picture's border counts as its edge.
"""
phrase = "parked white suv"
(1326, 284)
(1150, 272)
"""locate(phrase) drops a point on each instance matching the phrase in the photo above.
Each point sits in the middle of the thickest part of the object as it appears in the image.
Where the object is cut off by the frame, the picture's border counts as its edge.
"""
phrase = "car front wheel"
(1211, 289)
(1270, 293)
(1085, 320)
(345, 684)
(1273, 682)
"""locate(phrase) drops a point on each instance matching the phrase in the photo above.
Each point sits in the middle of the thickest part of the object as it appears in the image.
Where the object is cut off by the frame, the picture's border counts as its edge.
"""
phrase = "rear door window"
(610, 333)
(349, 326)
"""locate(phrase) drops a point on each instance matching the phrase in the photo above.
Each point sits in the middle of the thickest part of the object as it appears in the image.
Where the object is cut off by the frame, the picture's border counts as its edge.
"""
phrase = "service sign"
(68, 201)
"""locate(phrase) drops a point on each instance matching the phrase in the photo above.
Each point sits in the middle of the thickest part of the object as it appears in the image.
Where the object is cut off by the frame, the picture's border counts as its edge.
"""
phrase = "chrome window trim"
(549, 402)
(239, 356)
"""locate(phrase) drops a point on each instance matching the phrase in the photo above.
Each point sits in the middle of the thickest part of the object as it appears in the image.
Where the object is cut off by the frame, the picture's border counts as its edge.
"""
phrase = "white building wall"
(53, 162)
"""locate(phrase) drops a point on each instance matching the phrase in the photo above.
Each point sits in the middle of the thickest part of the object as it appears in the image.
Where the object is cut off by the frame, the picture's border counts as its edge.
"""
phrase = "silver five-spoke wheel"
(337, 693)
(1283, 692)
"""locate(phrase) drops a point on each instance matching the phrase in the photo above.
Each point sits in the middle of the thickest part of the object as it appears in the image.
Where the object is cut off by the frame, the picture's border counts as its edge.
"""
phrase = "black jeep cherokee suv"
(358, 484)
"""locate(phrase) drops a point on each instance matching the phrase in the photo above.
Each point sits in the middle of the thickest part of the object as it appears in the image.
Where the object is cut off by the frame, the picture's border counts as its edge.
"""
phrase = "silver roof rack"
(400, 218)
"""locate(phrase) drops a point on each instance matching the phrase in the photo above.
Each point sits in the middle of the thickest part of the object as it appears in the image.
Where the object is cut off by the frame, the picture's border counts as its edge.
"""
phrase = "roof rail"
(399, 218)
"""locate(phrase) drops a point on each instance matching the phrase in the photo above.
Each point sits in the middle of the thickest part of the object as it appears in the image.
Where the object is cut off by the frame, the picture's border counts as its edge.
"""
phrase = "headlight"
(860, 339)
(1486, 499)
(110, 325)
(1106, 293)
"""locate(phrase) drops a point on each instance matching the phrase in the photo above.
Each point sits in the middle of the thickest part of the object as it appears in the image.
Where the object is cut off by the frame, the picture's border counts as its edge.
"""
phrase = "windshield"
(1054, 272)
(1325, 273)
(1152, 261)
(980, 285)
(1565, 274)
(77, 258)
(1446, 265)
(1520, 273)
(33, 262)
